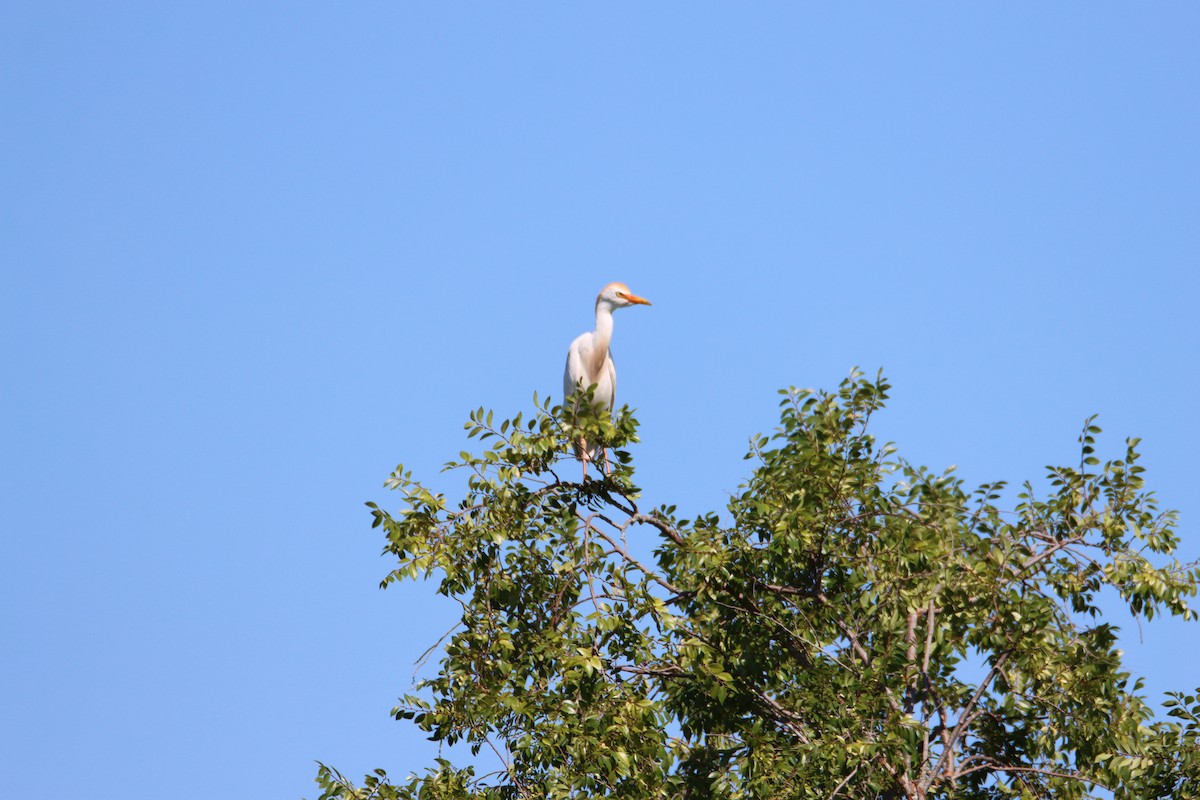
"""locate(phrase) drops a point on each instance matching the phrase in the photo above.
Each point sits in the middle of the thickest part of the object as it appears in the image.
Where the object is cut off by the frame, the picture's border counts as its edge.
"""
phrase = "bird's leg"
(607, 466)
(583, 456)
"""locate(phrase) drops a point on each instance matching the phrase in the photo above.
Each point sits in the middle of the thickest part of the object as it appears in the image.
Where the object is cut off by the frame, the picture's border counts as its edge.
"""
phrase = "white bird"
(589, 361)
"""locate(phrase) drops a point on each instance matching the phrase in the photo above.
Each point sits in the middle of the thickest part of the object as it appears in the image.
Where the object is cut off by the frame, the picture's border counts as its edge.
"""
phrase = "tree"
(858, 627)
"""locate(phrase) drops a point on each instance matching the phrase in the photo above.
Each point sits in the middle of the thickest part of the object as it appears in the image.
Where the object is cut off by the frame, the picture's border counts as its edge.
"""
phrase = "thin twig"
(420, 662)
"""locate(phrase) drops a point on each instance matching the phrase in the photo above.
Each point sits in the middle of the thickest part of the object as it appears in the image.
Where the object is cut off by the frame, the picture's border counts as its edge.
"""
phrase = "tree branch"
(963, 721)
(666, 529)
(629, 558)
(1051, 773)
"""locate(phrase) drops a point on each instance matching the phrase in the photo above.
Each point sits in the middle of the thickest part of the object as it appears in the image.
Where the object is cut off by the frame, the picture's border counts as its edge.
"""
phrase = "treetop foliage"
(857, 627)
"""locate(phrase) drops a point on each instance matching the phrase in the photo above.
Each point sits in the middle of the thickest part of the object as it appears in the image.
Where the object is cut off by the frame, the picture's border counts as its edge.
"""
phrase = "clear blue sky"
(254, 255)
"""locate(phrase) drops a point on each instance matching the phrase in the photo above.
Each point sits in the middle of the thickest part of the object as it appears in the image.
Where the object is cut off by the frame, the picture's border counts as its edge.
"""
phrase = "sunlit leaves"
(853, 626)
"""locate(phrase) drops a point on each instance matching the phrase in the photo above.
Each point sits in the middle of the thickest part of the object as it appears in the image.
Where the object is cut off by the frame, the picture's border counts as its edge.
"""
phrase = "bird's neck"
(602, 336)
(604, 325)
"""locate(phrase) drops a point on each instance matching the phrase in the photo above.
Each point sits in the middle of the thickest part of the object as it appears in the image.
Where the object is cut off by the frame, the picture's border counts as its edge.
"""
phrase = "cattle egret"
(590, 363)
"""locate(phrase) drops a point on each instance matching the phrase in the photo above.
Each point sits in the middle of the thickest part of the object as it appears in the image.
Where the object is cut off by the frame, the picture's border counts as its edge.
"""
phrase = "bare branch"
(843, 782)
(910, 654)
(666, 529)
(996, 766)
(649, 573)
(963, 721)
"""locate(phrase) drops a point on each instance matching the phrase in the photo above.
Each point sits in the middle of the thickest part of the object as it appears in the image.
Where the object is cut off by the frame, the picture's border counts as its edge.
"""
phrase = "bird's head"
(617, 295)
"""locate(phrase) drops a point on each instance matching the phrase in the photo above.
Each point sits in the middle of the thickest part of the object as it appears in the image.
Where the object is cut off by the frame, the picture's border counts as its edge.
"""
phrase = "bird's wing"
(575, 374)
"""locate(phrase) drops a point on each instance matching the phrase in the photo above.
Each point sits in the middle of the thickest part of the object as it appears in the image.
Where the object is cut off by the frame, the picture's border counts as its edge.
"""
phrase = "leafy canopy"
(859, 627)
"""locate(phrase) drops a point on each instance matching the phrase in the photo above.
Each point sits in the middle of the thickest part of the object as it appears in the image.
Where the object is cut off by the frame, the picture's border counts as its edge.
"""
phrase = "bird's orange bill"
(633, 298)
